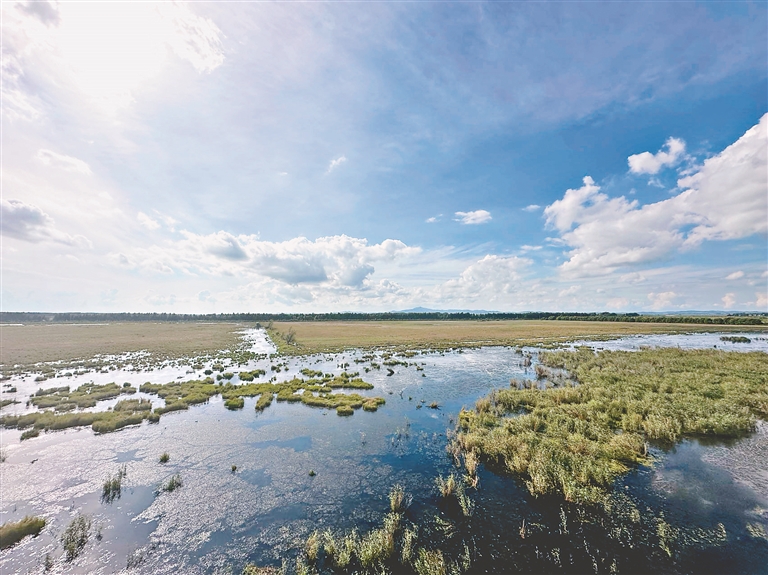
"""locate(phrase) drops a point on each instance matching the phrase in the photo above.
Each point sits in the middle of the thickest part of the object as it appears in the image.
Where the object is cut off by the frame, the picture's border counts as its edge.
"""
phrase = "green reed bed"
(391, 548)
(178, 396)
(87, 395)
(575, 440)
(14, 531)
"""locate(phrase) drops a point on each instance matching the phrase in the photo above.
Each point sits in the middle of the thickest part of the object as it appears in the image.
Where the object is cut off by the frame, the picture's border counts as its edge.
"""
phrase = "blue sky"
(217, 157)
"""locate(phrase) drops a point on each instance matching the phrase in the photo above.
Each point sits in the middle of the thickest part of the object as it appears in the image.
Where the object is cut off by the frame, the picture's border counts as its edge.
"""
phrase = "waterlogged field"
(213, 486)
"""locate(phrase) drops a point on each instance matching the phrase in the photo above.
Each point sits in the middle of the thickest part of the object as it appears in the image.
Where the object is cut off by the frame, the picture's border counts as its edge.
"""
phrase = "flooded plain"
(256, 484)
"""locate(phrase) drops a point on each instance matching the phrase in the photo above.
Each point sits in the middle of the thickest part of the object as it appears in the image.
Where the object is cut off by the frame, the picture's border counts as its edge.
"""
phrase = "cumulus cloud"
(340, 261)
(336, 163)
(29, 223)
(660, 301)
(532, 208)
(146, 221)
(735, 275)
(762, 300)
(434, 219)
(726, 198)
(62, 162)
(493, 276)
(728, 300)
(473, 218)
(647, 163)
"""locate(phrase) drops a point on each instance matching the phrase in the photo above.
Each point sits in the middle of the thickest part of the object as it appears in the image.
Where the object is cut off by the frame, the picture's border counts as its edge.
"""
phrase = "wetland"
(429, 448)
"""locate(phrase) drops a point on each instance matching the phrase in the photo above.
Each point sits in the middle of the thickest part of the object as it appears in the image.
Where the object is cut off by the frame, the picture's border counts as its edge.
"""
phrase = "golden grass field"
(29, 344)
(317, 337)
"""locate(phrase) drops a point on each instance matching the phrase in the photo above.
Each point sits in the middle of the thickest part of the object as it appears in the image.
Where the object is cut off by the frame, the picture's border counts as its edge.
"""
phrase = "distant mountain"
(428, 310)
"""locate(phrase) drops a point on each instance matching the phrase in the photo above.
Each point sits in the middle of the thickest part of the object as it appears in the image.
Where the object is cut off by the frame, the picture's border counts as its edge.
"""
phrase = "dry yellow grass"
(29, 344)
(317, 337)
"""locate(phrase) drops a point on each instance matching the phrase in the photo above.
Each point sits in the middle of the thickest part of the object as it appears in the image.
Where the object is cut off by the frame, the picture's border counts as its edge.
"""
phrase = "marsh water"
(700, 508)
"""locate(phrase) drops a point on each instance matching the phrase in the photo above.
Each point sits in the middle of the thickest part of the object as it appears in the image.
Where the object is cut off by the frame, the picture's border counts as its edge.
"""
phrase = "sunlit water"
(219, 520)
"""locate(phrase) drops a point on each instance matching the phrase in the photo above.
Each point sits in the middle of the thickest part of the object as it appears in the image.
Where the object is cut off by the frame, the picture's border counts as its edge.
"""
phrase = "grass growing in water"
(13, 532)
(173, 483)
(576, 440)
(75, 536)
(113, 487)
(164, 458)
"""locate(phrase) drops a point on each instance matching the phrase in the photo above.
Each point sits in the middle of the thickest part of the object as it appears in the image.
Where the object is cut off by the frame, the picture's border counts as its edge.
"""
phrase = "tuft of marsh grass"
(430, 563)
(75, 536)
(234, 403)
(173, 483)
(399, 501)
(113, 487)
(446, 486)
(312, 546)
(13, 532)
(344, 410)
(164, 458)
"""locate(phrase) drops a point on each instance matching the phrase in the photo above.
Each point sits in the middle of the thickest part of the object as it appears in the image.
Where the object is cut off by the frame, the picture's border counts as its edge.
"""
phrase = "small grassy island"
(576, 437)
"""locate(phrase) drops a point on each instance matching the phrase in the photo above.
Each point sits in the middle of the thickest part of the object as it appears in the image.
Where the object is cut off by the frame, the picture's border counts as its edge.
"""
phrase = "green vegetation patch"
(87, 395)
(575, 440)
(13, 532)
(75, 536)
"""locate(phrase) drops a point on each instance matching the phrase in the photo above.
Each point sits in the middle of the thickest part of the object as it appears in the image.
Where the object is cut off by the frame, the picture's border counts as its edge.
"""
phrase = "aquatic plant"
(75, 536)
(312, 546)
(113, 487)
(14, 531)
(234, 403)
(399, 501)
(344, 410)
(430, 563)
(446, 486)
(173, 483)
(575, 440)
(164, 458)
(735, 339)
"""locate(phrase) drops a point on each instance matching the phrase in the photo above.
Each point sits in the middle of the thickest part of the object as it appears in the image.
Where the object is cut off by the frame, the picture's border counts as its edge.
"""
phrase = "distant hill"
(428, 310)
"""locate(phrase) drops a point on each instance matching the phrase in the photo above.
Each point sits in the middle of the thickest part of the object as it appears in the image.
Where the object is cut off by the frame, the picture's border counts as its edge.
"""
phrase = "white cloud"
(726, 198)
(632, 278)
(336, 163)
(617, 303)
(29, 223)
(434, 219)
(762, 300)
(146, 221)
(661, 301)
(332, 261)
(527, 248)
(735, 275)
(569, 291)
(492, 277)
(647, 163)
(532, 208)
(473, 218)
(62, 162)
(728, 300)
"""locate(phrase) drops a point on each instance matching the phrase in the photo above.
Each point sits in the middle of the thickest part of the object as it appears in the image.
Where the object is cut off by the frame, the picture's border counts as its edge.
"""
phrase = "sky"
(215, 157)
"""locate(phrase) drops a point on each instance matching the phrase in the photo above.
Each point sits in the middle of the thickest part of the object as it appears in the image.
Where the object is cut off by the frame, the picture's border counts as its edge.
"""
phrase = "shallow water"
(218, 520)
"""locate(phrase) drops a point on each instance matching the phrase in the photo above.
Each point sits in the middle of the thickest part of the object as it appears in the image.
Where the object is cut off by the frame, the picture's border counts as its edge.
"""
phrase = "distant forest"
(38, 317)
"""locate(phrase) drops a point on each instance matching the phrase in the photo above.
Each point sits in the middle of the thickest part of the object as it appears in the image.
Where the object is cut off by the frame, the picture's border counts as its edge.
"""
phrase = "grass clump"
(164, 458)
(87, 395)
(75, 536)
(735, 339)
(344, 410)
(113, 487)
(575, 440)
(173, 484)
(13, 532)
(234, 403)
